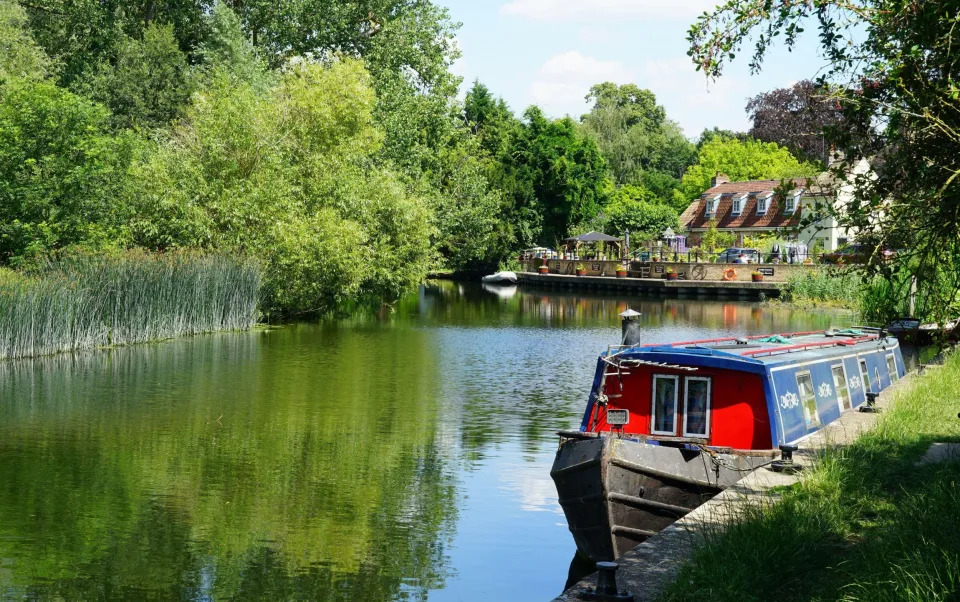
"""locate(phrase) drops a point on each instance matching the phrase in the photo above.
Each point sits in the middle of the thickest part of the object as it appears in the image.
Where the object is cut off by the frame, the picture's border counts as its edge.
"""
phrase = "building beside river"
(758, 207)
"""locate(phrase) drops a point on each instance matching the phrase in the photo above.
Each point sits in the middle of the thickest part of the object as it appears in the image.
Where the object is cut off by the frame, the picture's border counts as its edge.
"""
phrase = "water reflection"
(402, 455)
(270, 465)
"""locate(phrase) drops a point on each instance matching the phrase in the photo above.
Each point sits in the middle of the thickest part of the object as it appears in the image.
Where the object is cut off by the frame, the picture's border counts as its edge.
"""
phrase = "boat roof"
(778, 348)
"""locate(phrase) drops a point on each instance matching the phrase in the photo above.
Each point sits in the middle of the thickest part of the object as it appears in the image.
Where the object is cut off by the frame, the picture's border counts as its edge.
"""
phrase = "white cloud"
(564, 80)
(566, 10)
(693, 100)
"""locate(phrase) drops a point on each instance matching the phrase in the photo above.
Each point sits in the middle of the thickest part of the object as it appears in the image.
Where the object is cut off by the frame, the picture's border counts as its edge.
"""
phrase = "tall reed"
(80, 301)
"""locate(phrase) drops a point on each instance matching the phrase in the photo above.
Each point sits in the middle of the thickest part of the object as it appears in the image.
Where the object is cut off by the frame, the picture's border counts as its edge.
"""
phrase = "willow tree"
(893, 72)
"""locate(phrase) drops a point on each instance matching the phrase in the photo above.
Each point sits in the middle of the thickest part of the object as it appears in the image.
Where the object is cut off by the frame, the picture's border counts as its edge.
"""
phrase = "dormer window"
(793, 202)
(712, 204)
(763, 201)
(737, 205)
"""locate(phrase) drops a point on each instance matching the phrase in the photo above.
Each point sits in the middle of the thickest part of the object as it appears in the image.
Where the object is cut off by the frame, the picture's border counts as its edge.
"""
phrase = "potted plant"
(621, 271)
(670, 274)
(756, 276)
(544, 268)
(581, 270)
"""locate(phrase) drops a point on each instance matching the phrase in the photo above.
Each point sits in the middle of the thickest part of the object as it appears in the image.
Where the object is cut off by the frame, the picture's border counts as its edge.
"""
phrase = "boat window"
(892, 368)
(840, 386)
(696, 419)
(864, 375)
(807, 399)
(664, 412)
(876, 373)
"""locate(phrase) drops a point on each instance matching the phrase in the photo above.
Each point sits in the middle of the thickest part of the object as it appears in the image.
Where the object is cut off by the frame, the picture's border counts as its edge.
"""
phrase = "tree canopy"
(639, 143)
(739, 160)
(798, 118)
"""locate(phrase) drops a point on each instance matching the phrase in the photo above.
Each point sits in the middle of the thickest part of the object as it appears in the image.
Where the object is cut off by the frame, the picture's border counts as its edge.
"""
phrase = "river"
(402, 456)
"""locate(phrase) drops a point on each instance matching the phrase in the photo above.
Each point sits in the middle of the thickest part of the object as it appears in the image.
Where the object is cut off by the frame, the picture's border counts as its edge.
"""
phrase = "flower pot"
(671, 275)
(757, 277)
(621, 273)
(581, 272)
(544, 269)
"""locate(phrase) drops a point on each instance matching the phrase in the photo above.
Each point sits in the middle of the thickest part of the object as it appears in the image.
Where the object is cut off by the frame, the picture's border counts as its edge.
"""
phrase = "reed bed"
(825, 288)
(83, 301)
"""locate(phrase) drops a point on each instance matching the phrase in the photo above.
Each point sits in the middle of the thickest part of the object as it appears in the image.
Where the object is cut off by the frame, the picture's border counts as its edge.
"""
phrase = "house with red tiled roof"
(760, 207)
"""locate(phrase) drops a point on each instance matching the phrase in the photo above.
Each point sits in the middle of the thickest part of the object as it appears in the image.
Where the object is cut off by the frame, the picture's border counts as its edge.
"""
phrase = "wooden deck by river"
(653, 286)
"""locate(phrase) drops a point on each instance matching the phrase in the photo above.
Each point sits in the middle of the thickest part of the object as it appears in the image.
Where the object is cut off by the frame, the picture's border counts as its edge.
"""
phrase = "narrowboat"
(668, 426)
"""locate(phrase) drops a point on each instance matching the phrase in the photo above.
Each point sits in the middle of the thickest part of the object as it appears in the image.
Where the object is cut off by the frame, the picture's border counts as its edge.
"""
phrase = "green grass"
(825, 288)
(866, 524)
(83, 301)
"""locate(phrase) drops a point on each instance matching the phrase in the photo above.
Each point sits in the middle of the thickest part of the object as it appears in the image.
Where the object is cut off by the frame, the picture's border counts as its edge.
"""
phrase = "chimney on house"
(720, 178)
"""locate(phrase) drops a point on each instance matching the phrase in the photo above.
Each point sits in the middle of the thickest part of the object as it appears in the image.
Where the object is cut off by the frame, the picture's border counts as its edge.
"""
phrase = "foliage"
(825, 288)
(746, 160)
(20, 56)
(891, 72)
(80, 301)
(467, 209)
(868, 523)
(709, 134)
(146, 85)
(226, 52)
(798, 118)
(284, 176)
(631, 209)
(61, 171)
(553, 177)
(636, 138)
(713, 240)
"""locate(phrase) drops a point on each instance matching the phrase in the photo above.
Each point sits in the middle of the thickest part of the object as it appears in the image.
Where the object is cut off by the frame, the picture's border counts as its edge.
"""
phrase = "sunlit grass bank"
(826, 288)
(83, 301)
(867, 524)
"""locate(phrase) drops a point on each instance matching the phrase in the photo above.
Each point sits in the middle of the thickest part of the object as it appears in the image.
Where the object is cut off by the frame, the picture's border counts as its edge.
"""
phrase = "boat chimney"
(630, 328)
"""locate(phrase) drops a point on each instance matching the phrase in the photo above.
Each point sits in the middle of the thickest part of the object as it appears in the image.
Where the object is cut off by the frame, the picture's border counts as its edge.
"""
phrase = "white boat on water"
(501, 278)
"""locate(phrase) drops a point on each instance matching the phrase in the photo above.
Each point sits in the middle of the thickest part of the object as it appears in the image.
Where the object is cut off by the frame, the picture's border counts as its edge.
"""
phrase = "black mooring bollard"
(786, 464)
(871, 407)
(607, 590)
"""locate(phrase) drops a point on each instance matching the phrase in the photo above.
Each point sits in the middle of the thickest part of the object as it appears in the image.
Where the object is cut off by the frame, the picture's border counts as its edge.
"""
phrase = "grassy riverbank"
(824, 289)
(85, 301)
(867, 523)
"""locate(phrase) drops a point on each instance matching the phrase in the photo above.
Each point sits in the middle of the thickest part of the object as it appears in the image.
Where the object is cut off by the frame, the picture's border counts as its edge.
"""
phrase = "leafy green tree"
(289, 175)
(82, 34)
(713, 240)
(892, 66)
(748, 160)
(708, 134)
(20, 56)
(634, 134)
(555, 177)
(226, 51)
(62, 174)
(490, 119)
(146, 85)
(634, 208)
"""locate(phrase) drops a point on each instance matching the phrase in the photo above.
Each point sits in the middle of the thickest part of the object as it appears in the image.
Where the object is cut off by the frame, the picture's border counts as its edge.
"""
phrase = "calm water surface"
(400, 457)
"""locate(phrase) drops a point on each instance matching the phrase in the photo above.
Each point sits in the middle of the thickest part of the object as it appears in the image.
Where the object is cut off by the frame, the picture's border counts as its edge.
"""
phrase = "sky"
(550, 52)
